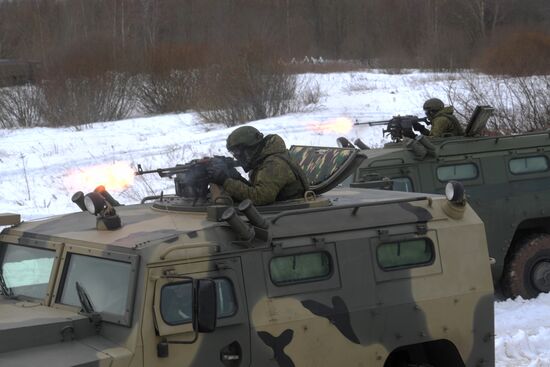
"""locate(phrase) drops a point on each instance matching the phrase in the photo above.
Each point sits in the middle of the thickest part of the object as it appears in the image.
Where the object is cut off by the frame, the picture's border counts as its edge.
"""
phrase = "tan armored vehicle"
(345, 277)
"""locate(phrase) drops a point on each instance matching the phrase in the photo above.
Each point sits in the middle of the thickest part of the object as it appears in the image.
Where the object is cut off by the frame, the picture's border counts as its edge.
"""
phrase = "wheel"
(527, 272)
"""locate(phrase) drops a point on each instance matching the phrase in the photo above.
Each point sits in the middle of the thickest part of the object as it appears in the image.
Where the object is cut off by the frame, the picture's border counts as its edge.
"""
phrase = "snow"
(41, 168)
(522, 330)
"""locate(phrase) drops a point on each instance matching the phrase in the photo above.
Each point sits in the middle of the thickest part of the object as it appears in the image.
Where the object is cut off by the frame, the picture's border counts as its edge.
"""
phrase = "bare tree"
(20, 107)
(521, 104)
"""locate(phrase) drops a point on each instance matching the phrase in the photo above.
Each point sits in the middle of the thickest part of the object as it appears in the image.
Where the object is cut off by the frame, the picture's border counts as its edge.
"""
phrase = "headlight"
(94, 203)
(454, 191)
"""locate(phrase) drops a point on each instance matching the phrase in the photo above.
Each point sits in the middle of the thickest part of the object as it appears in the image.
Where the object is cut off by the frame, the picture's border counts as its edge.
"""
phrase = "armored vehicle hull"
(354, 277)
(507, 180)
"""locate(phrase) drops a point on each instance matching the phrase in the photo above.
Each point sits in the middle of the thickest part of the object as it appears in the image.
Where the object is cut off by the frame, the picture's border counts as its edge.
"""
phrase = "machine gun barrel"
(172, 171)
(385, 122)
(192, 180)
(162, 172)
(372, 123)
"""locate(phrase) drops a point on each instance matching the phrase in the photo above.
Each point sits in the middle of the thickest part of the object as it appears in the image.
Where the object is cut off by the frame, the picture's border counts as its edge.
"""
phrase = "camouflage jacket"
(272, 177)
(445, 123)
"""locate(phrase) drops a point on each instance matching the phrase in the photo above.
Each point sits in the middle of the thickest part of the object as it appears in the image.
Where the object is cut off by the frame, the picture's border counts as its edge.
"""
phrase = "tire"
(527, 272)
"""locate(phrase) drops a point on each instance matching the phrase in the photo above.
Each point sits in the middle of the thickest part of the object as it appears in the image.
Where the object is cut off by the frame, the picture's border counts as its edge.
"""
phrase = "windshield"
(26, 270)
(106, 283)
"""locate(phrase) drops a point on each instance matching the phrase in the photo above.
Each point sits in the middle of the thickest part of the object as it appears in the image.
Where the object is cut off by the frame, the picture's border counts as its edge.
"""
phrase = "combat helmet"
(432, 106)
(244, 143)
(244, 136)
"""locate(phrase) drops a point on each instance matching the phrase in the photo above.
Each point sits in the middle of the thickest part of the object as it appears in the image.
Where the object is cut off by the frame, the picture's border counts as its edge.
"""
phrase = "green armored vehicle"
(507, 179)
(347, 277)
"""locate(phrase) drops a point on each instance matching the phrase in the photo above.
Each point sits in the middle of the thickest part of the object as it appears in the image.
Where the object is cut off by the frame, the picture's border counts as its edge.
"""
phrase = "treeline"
(74, 35)
(231, 60)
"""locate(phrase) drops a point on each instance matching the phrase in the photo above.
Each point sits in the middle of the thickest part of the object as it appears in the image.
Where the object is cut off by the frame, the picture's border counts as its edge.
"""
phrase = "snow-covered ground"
(522, 330)
(41, 168)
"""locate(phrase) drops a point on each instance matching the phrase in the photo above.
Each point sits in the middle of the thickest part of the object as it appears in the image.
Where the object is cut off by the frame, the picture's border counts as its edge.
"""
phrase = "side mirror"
(206, 307)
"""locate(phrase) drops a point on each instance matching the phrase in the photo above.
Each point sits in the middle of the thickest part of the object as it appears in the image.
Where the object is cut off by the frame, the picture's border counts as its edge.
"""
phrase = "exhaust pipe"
(359, 144)
(252, 214)
(244, 230)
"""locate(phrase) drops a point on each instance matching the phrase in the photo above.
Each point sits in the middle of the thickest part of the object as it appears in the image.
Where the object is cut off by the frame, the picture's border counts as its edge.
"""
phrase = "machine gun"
(397, 127)
(191, 179)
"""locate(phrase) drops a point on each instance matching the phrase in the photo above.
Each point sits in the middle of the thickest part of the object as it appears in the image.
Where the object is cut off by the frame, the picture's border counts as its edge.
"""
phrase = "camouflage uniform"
(273, 176)
(444, 123)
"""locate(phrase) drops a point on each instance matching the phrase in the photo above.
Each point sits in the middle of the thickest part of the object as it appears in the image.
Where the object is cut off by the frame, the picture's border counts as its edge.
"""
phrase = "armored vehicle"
(507, 179)
(346, 276)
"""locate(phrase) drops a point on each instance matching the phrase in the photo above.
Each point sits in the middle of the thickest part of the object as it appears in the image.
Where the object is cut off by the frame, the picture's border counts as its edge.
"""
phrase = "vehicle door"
(171, 300)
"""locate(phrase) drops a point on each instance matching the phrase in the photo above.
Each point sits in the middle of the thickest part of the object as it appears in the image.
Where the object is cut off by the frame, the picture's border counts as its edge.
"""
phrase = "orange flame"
(339, 125)
(116, 176)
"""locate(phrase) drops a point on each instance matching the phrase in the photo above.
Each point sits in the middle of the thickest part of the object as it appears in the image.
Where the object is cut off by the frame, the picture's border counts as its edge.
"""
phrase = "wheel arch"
(527, 228)
(440, 352)
(527, 267)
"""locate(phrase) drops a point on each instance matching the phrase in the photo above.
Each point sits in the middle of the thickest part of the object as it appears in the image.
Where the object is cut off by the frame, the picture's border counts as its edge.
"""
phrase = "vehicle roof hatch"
(478, 120)
(326, 167)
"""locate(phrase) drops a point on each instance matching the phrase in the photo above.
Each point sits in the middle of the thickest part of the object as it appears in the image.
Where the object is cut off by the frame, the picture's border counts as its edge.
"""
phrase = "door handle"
(231, 355)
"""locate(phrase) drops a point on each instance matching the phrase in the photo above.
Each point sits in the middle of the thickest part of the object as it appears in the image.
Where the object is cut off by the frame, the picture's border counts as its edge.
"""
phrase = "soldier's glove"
(219, 171)
(417, 126)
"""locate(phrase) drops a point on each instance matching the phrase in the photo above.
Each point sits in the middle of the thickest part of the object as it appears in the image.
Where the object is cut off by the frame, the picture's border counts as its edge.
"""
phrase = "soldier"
(443, 122)
(273, 176)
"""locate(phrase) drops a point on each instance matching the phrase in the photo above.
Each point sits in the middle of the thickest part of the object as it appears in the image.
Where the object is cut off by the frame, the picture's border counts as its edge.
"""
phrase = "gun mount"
(397, 127)
(324, 168)
(191, 179)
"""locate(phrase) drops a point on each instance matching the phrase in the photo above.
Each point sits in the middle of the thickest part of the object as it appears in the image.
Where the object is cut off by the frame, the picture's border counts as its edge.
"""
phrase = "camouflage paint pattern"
(357, 314)
(356, 317)
(363, 320)
(318, 166)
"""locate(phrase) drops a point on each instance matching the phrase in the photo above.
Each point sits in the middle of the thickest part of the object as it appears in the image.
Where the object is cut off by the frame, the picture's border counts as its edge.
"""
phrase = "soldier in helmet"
(443, 122)
(273, 175)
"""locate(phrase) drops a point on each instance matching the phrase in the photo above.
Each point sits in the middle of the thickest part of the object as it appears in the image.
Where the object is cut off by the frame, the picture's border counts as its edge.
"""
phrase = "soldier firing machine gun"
(190, 179)
(397, 127)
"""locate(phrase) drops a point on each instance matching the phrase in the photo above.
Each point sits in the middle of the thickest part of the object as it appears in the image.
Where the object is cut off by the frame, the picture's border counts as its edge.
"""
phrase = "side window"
(176, 301)
(405, 254)
(465, 171)
(520, 166)
(402, 184)
(26, 270)
(297, 268)
(227, 304)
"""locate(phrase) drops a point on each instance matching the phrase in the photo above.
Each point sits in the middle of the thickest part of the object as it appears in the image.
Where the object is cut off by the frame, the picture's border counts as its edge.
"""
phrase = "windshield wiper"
(4, 289)
(87, 306)
(84, 299)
